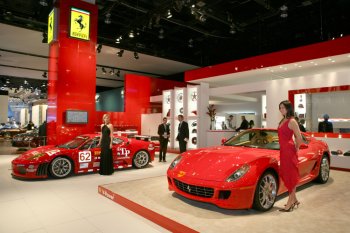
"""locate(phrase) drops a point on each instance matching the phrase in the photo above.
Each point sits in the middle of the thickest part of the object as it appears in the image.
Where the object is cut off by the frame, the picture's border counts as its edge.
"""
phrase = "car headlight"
(238, 173)
(175, 162)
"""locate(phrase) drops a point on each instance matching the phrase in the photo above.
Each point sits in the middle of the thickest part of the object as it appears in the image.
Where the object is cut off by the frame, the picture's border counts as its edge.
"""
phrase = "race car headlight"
(175, 162)
(238, 173)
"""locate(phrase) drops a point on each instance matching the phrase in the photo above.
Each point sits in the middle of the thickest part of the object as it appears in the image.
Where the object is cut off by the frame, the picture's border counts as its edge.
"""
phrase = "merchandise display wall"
(72, 75)
(190, 103)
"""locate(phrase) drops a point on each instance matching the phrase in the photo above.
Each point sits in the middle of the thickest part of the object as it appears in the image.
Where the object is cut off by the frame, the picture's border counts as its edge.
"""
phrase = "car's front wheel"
(61, 167)
(265, 192)
(323, 174)
(141, 159)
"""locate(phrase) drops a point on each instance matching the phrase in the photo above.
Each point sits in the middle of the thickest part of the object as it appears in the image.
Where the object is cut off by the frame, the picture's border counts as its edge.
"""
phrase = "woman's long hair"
(289, 107)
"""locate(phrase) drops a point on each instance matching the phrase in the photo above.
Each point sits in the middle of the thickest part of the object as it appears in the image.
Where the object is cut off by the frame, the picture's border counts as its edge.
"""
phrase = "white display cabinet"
(168, 103)
(182, 101)
(168, 107)
(192, 116)
(263, 111)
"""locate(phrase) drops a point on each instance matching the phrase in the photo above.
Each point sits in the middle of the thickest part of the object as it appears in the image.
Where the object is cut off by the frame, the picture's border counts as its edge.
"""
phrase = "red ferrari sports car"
(244, 171)
(80, 155)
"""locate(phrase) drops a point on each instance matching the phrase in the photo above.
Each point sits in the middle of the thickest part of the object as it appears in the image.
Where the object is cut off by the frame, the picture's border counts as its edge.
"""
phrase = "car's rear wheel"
(323, 173)
(141, 159)
(265, 192)
(61, 167)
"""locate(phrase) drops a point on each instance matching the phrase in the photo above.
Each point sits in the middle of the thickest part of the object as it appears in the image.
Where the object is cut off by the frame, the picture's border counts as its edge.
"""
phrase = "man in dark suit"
(244, 124)
(325, 126)
(164, 134)
(183, 133)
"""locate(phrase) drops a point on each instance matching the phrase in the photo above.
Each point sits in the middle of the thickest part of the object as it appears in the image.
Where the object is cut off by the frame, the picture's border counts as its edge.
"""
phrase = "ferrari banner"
(79, 24)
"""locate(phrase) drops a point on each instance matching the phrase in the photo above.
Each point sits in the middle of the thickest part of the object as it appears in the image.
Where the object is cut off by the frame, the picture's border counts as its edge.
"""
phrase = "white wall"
(149, 123)
(4, 109)
(277, 90)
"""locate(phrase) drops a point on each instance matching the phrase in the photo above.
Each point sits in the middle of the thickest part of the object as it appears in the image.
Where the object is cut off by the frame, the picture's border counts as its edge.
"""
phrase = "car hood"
(218, 163)
(40, 153)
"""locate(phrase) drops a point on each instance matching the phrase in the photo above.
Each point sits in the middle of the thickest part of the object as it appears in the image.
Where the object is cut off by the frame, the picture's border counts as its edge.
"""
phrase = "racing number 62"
(84, 156)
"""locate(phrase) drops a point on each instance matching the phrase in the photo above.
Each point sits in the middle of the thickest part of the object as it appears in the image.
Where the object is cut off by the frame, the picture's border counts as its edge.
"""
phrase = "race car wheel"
(323, 174)
(61, 167)
(141, 159)
(265, 192)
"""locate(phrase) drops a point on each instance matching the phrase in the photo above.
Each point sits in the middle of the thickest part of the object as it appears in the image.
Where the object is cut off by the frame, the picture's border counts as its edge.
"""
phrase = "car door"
(121, 152)
(89, 156)
(307, 158)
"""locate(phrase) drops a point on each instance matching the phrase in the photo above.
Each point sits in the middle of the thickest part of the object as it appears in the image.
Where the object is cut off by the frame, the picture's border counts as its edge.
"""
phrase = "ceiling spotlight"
(43, 2)
(108, 18)
(120, 53)
(136, 56)
(131, 34)
(99, 47)
(103, 70)
(284, 11)
(44, 75)
(111, 72)
(232, 29)
(161, 34)
(190, 43)
(168, 14)
(118, 73)
(202, 18)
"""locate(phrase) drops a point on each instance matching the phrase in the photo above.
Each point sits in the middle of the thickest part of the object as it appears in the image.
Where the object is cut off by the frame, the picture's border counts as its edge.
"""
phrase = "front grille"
(21, 170)
(194, 190)
(42, 169)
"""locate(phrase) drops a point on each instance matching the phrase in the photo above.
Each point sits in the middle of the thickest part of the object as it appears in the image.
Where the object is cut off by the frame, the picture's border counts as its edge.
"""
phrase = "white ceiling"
(28, 41)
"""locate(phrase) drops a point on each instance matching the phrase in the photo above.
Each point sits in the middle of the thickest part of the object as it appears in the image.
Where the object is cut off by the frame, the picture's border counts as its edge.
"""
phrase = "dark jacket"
(162, 130)
(325, 127)
(244, 125)
(183, 131)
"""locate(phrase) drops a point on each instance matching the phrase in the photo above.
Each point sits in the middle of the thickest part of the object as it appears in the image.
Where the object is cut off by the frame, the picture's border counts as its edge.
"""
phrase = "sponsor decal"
(123, 152)
(52, 152)
(96, 164)
(83, 165)
(97, 153)
(181, 174)
(84, 156)
(107, 194)
(51, 25)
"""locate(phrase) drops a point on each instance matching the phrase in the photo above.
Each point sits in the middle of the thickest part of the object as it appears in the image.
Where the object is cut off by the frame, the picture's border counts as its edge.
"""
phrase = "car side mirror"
(303, 146)
(223, 140)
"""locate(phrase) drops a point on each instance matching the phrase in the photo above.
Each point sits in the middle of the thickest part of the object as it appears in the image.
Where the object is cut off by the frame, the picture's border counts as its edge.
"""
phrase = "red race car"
(244, 171)
(80, 155)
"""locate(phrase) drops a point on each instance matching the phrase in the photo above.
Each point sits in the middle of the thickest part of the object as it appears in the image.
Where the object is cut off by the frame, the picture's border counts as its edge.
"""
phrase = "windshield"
(74, 143)
(256, 138)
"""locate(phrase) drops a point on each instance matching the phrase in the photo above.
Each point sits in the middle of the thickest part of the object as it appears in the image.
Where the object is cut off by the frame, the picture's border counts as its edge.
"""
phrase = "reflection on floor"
(72, 204)
(324, 208)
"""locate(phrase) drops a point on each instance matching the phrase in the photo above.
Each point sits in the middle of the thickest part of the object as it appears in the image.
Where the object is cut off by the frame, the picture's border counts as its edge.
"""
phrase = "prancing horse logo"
(181, 174)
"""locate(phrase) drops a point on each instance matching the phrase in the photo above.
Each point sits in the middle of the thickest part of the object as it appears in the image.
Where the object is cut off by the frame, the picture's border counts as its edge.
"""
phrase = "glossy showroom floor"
(74, 205)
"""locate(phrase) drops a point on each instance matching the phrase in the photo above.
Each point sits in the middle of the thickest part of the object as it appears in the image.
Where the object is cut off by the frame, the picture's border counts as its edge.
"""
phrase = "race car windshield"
(255, 138)
(73, 143)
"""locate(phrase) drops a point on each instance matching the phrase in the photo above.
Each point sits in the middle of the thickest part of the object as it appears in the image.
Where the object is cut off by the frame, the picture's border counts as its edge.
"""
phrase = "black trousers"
(182, 145)
(162, 149)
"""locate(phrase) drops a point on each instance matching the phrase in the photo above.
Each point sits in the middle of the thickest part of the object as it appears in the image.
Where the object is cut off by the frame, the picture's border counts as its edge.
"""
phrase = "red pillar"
(72, 75)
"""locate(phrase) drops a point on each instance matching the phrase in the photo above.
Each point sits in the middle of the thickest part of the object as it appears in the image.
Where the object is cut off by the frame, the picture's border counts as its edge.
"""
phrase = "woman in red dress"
(288, 152)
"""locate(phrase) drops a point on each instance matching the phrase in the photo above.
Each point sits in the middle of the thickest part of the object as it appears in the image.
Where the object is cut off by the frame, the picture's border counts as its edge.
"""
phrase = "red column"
(72, 75)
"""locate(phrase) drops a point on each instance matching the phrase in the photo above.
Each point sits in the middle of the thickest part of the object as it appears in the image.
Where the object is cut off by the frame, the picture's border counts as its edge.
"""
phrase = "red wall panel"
(72, 75)
(304, 53)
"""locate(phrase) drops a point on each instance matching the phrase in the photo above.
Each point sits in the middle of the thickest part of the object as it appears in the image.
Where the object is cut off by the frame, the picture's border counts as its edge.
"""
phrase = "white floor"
(70, 205)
